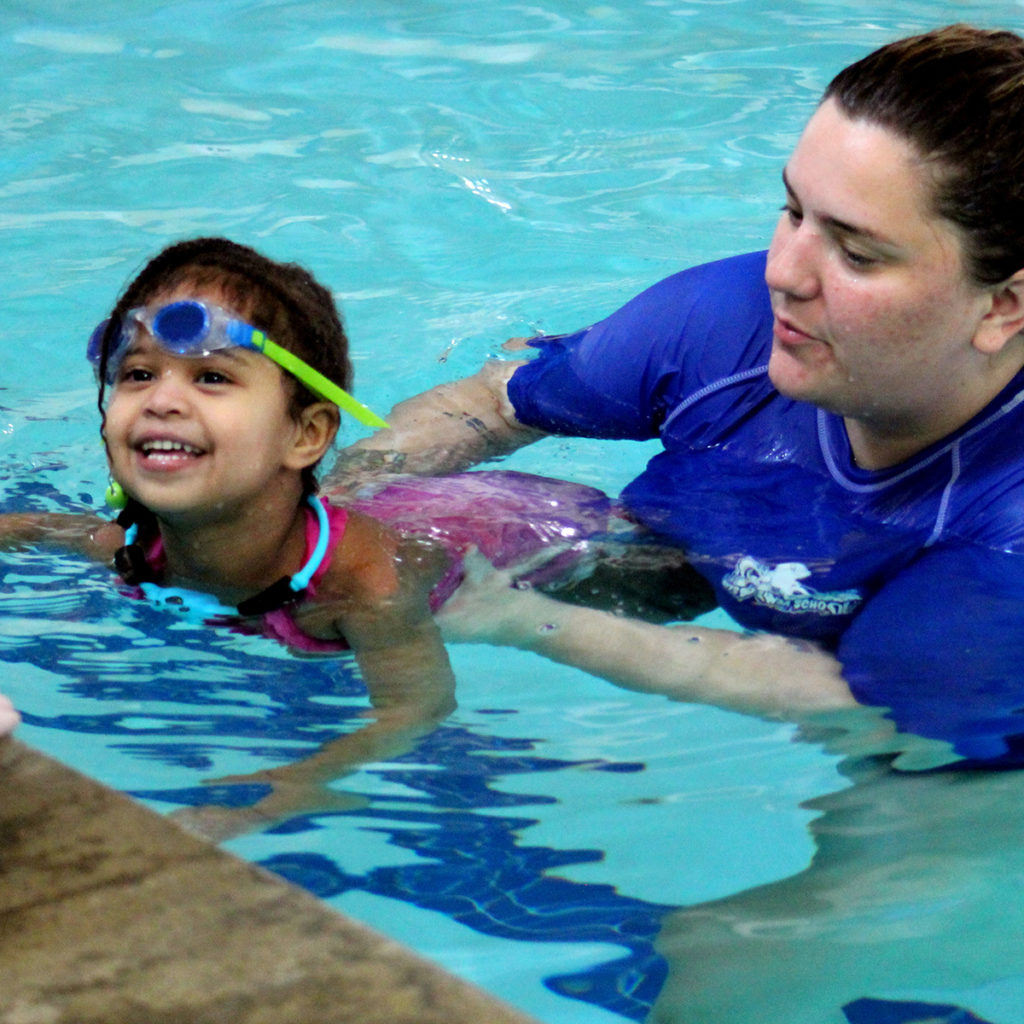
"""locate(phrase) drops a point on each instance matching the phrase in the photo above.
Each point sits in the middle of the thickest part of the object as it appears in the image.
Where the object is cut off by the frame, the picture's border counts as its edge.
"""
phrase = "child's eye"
(212, 377)
(134, 375)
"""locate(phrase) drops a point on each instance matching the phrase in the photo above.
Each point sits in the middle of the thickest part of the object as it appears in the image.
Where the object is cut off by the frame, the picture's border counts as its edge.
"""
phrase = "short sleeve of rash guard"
(620, 377)
(942, 647)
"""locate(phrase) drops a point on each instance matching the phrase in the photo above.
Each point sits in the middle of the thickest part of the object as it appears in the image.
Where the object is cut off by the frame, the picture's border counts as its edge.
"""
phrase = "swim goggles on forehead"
(193, 328)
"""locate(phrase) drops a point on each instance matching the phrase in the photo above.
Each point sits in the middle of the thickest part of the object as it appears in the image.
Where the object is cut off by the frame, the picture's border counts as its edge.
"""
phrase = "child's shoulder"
(374, 563)
(365, 562)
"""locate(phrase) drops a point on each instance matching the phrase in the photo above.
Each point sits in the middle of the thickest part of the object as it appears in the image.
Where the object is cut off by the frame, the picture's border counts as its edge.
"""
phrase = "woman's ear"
(1005, 318)
(315, 430)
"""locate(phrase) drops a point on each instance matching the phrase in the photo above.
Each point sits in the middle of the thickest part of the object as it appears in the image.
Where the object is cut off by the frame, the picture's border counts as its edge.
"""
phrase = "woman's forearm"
(762, 674)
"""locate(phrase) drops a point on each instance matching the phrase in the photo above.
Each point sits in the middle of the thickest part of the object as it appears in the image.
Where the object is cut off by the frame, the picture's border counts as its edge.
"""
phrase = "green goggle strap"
(320, 385)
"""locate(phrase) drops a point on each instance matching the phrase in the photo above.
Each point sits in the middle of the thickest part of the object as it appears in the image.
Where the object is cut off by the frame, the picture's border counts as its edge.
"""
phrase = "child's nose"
(168, 394)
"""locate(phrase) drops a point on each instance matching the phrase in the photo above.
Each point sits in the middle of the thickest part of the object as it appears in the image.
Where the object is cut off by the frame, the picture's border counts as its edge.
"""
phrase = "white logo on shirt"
(779, 587)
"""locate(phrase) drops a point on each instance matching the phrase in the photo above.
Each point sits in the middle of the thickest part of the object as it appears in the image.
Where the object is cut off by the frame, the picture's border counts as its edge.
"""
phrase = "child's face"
(199, 440)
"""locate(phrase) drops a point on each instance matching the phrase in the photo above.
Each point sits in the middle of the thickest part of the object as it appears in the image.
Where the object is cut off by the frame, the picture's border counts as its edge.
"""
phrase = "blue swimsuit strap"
(196, 604)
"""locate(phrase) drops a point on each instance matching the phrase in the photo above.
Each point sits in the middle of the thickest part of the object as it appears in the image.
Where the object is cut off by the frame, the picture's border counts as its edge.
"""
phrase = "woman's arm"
(444, 430)
(761, 674)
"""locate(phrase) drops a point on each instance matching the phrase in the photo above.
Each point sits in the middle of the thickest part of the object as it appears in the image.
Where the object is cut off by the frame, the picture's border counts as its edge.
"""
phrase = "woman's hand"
(491, 605)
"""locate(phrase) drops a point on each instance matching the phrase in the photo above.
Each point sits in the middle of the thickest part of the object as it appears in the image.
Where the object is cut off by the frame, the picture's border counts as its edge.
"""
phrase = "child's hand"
(9, 718)
(218, 824)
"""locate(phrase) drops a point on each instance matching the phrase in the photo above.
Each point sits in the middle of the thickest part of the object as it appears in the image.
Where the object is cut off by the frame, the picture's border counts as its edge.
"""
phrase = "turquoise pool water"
(457, 175)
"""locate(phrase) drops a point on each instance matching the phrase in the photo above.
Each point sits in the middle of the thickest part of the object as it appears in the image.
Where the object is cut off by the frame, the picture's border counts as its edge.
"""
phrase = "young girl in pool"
(221, 375)
(212, 432)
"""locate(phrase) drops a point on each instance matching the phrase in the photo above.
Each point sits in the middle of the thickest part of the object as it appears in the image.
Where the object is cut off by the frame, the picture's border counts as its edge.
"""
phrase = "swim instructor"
(842, 421)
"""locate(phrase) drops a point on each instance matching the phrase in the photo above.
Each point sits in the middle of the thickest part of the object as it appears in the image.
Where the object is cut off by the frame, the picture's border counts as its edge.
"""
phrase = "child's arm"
(419, 696)
(386, 619)
(83, 533)
(412, 690)
(382, 585)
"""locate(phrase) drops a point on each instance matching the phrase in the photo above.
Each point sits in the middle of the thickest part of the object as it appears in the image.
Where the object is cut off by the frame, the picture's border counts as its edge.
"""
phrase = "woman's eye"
(858, 260)
(794, 214)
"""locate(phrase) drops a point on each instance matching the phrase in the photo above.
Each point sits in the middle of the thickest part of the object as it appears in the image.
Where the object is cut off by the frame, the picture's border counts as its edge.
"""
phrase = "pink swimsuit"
(507, 516)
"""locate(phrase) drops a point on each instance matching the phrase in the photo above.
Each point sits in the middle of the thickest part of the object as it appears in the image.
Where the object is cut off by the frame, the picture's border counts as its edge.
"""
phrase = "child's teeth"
(170, 446)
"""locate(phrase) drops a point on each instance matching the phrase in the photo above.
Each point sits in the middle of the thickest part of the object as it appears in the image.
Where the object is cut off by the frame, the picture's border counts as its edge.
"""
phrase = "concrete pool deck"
(111, 913)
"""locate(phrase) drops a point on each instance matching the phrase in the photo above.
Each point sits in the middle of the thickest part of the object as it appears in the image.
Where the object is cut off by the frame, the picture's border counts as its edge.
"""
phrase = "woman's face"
(875, 316)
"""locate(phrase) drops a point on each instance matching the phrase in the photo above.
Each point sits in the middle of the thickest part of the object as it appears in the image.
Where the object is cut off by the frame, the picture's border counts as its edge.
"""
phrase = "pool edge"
(109, 911)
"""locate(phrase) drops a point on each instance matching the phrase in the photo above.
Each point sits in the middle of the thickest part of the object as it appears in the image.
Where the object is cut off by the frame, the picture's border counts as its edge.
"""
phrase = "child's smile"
(167, 452)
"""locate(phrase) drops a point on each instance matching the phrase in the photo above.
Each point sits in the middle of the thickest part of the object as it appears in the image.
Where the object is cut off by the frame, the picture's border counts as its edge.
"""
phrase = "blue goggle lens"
(182, 326)
(94, 350)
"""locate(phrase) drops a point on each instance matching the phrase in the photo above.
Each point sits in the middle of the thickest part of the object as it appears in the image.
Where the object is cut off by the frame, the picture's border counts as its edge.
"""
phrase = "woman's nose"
(793, 260)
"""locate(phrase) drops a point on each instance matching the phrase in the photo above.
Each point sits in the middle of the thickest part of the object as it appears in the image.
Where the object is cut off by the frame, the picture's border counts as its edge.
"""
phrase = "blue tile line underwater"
(476, 873)
(882, 1011)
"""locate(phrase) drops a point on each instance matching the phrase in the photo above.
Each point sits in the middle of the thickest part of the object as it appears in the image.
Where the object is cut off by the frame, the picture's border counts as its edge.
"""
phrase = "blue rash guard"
(912, 575)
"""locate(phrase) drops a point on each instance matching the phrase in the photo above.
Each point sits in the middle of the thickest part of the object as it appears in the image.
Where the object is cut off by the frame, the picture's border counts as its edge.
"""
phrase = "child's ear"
(316, 429)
